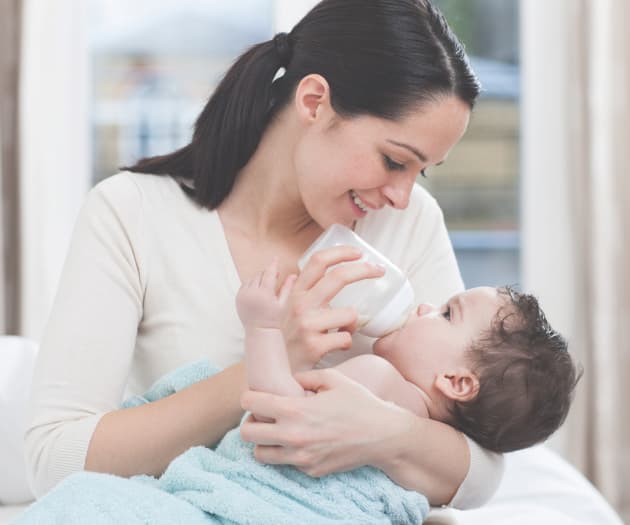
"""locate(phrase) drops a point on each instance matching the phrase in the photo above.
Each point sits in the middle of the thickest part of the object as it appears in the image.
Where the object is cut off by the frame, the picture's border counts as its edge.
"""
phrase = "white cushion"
(9, 513)
(17, 358)
(540, 487)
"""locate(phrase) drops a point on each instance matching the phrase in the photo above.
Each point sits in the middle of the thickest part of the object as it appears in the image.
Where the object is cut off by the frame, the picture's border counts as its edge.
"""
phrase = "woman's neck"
(265, 202)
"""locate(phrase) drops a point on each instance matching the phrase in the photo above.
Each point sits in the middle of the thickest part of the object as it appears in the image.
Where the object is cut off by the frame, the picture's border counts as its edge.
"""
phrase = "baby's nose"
(425, 308)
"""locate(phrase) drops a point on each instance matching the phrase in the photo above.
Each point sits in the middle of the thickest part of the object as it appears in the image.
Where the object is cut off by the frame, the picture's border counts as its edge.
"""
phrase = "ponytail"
(230, 127)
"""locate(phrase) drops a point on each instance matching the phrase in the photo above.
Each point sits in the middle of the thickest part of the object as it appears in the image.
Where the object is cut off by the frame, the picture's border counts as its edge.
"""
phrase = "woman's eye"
(392, 165)
(423, 174)
(447, 313)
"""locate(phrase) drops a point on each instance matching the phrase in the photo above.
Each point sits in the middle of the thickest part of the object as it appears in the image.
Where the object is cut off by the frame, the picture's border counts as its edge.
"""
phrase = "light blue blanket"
(227, 486)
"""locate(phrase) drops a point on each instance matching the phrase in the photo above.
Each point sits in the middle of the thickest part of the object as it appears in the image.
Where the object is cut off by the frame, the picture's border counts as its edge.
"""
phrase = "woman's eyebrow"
(421, 156)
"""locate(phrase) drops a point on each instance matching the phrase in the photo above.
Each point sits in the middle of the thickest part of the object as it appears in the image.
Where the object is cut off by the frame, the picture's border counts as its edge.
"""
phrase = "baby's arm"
(385, 381)
(260, 310)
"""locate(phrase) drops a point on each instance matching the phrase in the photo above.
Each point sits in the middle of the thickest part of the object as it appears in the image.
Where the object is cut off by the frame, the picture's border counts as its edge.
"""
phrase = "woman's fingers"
(262, 433)
(321, 433)
(335, 341)
(266, 404)
(318, 346)
(322, 379)
(272, 454)
(320, 261)
(324, 319)
(330, 284)
(339, 277)
(278, 408)
(265, 434)
(312, 331)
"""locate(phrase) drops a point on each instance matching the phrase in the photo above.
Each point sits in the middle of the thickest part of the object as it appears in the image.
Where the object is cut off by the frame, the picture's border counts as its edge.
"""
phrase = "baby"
(487, 362)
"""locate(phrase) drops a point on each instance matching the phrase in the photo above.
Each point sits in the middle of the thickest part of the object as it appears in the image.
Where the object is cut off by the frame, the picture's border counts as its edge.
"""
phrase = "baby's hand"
(257, 303)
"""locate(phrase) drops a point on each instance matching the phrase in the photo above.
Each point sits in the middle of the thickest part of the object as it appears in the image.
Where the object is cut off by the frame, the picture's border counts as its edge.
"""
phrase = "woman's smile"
(359, 207)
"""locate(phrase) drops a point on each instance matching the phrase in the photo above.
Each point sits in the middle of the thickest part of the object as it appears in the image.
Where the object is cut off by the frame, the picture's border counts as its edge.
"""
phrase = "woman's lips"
(357, 211)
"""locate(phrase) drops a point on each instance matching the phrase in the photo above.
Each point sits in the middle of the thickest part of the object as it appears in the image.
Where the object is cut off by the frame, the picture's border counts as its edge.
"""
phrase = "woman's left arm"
(345, 426)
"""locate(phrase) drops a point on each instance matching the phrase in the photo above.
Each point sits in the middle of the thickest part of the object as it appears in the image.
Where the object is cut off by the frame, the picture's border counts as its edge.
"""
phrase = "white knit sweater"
(149, 284)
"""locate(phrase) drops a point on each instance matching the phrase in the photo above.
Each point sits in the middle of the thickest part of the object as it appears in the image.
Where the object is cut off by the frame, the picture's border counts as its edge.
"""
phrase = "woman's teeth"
(358, 202)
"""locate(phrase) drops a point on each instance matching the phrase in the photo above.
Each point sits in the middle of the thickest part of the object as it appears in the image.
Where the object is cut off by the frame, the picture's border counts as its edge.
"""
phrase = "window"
(478, 186)
(155, 63)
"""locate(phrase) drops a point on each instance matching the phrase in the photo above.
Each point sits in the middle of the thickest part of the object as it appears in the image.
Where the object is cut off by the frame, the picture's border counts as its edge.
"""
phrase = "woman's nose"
(425, 308)
(398, 190)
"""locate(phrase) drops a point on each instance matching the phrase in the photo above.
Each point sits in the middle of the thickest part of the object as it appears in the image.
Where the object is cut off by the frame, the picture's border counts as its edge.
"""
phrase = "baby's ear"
(458, 385)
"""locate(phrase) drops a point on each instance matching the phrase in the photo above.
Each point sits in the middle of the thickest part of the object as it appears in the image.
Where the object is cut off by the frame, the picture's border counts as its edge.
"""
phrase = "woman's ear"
(458, 385)
(312, 98)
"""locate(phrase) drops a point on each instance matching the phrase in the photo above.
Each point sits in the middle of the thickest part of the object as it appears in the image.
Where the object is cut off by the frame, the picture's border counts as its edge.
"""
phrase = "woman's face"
(347, 168)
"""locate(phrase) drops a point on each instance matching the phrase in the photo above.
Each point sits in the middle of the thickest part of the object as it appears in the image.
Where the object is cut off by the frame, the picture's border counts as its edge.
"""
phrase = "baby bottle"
(382, 304)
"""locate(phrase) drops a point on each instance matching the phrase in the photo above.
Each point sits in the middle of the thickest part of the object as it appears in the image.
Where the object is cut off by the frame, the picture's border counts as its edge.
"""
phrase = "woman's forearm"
(345, 426)
(144, 439)
(426, 456)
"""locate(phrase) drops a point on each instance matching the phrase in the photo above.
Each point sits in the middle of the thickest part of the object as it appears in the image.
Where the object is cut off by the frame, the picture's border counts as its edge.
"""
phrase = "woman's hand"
(309, 319)
(343, 426)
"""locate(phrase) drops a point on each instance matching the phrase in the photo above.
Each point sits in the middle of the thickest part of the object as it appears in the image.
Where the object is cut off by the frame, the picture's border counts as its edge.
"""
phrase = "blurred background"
(535, 194)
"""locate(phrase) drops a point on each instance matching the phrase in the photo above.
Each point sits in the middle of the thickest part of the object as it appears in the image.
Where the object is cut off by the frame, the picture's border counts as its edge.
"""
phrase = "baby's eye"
(392, 165)
(447, 313)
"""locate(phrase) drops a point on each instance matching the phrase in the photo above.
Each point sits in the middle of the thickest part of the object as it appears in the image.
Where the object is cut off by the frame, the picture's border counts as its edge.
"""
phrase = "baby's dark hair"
(526, 379)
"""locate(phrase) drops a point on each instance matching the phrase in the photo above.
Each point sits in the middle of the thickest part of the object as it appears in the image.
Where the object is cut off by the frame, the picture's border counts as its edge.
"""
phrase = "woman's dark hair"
(380, 57)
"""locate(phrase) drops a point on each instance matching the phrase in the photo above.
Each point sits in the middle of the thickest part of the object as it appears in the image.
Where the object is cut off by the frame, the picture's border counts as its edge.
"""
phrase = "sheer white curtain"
(9, 166)
(576, 215)
(54, 140)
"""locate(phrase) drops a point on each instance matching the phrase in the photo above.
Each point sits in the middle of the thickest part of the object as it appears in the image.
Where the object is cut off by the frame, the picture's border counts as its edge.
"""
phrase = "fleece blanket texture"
(226, 485)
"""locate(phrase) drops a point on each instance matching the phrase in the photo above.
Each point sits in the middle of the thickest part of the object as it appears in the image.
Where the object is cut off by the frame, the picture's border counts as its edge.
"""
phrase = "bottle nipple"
(362, 320)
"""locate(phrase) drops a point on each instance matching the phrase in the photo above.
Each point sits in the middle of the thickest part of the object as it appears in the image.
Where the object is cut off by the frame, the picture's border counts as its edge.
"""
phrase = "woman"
(373, 93)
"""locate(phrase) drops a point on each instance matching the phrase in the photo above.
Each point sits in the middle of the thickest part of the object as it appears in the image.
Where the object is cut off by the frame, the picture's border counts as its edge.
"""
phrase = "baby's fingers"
(287, 287)
(253, 282)
(269, 277)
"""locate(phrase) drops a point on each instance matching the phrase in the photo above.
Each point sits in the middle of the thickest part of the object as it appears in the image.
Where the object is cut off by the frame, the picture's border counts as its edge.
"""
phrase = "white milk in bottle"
(382, 304)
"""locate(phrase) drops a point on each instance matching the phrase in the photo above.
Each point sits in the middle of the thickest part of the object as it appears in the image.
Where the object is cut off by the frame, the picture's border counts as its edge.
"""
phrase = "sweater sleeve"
(88, 343)
(483, 478)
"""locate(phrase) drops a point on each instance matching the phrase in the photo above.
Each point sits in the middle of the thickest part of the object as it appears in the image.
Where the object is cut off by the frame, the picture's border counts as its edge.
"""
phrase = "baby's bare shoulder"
(384, 380)
(373, 372)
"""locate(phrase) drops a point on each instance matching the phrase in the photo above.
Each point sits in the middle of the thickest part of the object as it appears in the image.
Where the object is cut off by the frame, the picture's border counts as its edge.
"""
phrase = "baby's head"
(489, 364)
